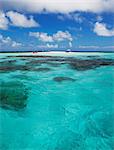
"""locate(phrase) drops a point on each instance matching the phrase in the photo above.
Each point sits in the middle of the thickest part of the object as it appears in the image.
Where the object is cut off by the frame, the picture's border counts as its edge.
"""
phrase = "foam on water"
(72, 113)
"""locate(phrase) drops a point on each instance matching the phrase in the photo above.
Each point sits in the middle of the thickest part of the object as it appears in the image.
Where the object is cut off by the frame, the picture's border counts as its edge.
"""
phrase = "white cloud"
(59, 36)
(16, 19)
(88, 47)
(70, 44)
(99, 18)
(16, 44)
(72, 16)
(52, 45)
(3, 21)
(62, 6)
(108, 47)
(47, 46)
(101, 30)
(21, 20)
(42, 36)
(7, 41)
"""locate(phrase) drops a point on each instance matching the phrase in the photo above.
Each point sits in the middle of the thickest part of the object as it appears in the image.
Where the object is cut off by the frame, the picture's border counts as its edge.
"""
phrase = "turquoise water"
(61, 106)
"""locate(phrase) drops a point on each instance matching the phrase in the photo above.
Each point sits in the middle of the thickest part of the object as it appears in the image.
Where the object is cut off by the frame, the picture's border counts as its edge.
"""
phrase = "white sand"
(53, 53)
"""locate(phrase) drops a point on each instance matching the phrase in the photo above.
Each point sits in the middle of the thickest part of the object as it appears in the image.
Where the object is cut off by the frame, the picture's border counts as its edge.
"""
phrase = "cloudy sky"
(28, 25)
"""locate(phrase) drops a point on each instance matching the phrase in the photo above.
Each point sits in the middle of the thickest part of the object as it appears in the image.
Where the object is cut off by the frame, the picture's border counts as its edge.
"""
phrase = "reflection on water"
(57, 103)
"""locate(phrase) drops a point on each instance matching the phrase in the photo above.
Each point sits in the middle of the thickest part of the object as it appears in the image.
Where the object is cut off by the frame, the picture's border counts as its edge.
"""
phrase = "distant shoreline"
(56, 51)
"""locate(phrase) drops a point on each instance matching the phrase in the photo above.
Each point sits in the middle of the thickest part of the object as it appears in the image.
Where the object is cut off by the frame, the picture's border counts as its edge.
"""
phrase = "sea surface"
(57, 102)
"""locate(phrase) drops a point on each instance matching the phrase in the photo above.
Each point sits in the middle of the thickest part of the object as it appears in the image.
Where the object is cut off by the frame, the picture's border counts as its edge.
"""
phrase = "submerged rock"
(82, 65)
(61, 79)
(20, 76)
(50, 61)
(9, 68)
(8, 62)
(92, 57)
(74, 63)
(13, 95)
(41, 69)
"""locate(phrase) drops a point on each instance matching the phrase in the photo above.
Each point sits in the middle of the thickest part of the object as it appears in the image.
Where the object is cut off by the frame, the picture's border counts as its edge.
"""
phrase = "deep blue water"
(63, 107)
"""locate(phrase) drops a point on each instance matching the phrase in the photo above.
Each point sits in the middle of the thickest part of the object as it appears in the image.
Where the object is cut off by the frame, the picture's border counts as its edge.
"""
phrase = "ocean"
(57, 101)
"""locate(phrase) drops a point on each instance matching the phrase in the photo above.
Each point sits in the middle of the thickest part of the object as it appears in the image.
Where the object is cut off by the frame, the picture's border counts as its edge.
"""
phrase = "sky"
(76, 25)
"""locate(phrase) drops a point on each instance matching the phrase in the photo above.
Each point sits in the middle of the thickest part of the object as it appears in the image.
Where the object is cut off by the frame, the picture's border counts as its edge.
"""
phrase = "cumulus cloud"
(21, 20)
(101, 30)
(42, 36)
(99, 18)
(51, 45)
(59, 36)
(47, 46)
(16, 19)
(7, 41)
(62, 6)
(72, 16)
(16, 44)
(3, 21)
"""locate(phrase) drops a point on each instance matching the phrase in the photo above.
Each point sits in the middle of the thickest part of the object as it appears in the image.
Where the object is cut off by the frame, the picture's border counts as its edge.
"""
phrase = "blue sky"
(57, 25)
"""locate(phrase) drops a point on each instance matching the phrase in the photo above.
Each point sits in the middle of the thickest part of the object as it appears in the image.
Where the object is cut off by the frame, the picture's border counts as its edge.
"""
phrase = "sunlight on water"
(57, 103)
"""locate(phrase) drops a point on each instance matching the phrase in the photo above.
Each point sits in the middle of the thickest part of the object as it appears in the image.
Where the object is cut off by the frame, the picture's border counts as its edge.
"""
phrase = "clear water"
(73, 114)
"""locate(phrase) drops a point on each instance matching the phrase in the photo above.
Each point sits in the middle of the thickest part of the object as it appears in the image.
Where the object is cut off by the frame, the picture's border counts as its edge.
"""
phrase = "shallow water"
(55, 103)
